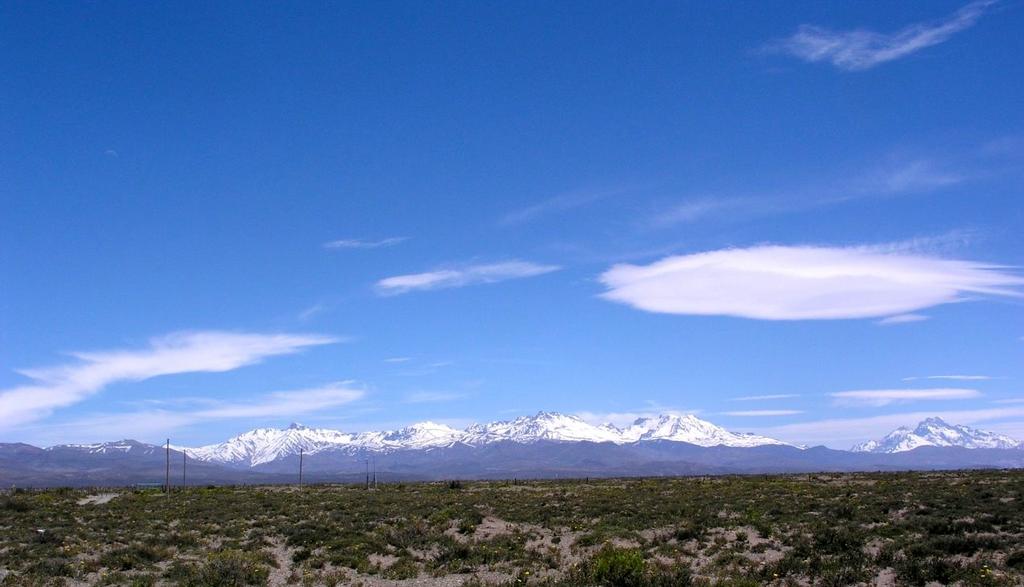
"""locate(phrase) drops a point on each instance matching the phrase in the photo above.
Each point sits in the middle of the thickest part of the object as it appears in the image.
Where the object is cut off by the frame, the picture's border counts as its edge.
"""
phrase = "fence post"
(167, 470)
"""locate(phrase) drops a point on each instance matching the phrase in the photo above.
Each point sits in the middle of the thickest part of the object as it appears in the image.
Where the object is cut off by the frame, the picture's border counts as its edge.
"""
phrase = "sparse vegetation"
(908, 528)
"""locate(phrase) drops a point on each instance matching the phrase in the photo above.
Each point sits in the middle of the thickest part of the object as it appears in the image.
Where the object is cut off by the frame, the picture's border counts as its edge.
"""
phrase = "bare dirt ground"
(99, 499)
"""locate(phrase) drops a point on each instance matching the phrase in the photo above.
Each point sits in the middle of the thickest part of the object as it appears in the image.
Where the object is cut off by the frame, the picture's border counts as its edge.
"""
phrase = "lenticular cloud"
(803, 283)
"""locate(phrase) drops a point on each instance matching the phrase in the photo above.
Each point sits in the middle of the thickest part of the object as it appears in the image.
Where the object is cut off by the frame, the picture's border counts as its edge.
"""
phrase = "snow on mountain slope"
(264, 445)
(543, 426)
(691, 429)
(936, 432)
(419, 436)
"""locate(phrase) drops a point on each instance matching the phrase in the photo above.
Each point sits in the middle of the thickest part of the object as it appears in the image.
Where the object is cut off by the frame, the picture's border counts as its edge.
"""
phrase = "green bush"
(52, 567)
(921, 571)
(403, 569)
(836, 540)
(675, 576)
(130, 557)
(227, 568)
(12, 504)
(619, 568)
(687, 532)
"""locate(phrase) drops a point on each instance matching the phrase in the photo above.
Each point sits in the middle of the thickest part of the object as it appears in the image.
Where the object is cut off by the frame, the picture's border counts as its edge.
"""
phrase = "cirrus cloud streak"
(462, 276)
(762, 413)
(860, 49)
(755, 398)
(176, 353)
(884, 397)
(358, 243)
(154, 424)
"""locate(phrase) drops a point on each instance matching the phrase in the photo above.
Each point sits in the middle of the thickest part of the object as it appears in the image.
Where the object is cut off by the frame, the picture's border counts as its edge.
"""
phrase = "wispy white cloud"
(1012, 400)
(934, 245)
(156, 423)
(884, 397)
(308, 314)
(953, 377)
(462, 276)
(693, 210)
(358, 243)
(285, 404)
(397, 359)
(803, 283)
(754, 398)
(860, 49)
(902, 319)
(180, 352)
(918, 175)
(560, 203)
(763, 413)
(844, 432)
(897, 176)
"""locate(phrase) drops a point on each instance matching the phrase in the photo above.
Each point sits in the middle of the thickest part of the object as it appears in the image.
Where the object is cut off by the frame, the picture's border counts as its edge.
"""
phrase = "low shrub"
(130, 557)
(619, 568)
(12, 504)
(227, 568)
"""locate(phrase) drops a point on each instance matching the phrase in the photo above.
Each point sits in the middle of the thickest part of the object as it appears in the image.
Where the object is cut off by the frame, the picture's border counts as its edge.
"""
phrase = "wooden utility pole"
(184, 464)
(167, 470)
(300, 468)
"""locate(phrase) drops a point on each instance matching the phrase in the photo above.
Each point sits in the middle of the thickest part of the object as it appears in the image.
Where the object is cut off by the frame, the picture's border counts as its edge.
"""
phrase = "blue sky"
(801, 219)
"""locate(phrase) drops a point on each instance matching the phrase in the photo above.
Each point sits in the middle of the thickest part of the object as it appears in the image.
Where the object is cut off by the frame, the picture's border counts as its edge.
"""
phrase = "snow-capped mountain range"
(545, 445)
(265, 445)
(936, 432)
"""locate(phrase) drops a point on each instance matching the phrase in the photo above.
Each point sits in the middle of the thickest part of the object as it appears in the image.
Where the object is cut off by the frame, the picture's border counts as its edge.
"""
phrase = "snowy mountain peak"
(936, 432)
(542, 426)
(691, 429)
(421, 435)
(264, 445)
(931, 424)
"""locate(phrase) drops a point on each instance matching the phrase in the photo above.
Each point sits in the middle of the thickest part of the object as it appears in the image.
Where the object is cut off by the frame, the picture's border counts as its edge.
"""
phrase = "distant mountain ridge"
(937, 432)
(545, 445)
(265, 445)
(114, 447)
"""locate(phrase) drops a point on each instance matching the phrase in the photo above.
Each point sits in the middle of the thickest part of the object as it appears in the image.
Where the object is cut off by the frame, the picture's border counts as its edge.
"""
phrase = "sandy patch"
(884, 578)
(383, 560)
(492, 527)
(283, 557)
(873, 547)
(98, 499)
